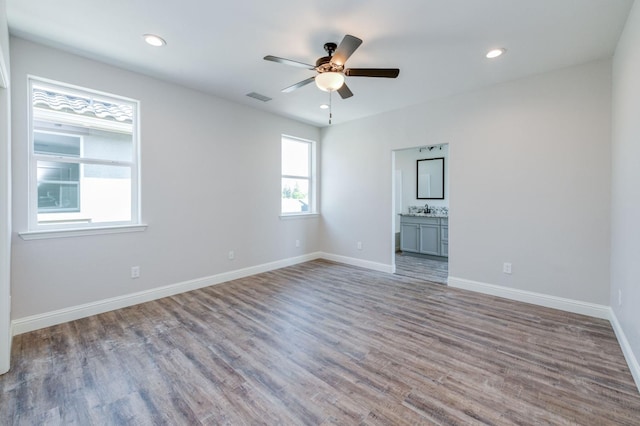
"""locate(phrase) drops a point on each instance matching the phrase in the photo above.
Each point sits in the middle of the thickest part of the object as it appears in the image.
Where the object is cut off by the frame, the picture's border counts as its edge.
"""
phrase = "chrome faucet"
(427, 209)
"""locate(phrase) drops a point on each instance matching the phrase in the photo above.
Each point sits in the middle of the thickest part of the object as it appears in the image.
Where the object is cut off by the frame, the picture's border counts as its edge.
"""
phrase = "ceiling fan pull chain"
(330, 109)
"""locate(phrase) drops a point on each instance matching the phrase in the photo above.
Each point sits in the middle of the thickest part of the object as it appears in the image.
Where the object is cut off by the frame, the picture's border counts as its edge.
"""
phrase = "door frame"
(395, 194)
(5, 219)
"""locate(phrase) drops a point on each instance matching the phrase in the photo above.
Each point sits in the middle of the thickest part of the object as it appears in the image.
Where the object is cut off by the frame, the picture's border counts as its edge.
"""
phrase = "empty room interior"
(331, 212)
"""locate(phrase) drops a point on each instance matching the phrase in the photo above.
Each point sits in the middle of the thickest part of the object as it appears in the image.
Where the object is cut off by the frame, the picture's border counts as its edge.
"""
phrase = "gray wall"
(625, 204)
(210, 184)
(530, 169)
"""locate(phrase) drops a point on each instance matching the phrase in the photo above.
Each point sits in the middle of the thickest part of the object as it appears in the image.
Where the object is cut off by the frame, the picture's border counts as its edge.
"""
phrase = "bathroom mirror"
(431, 179)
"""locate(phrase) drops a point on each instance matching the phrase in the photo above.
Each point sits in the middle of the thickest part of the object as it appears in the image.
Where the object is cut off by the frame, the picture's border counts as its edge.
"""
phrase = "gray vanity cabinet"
(410, 237)
(425, 235)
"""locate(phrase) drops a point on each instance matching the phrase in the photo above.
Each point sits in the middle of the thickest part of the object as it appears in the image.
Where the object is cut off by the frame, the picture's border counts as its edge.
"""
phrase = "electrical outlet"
(359, 245)
(297, 243)
(619, 297)
(135, 272)
(231, 255)
(506, 268)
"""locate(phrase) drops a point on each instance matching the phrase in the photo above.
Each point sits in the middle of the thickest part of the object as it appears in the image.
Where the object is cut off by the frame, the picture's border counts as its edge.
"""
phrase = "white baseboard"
(47, 319)
(376, 266)
(569, 305)
(632, 360)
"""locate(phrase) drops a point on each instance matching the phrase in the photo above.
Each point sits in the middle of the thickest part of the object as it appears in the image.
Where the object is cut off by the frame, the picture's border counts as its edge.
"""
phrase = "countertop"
(424, 215)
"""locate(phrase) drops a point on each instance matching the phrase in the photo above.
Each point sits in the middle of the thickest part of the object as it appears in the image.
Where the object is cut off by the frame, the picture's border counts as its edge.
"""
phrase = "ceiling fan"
(331, 69)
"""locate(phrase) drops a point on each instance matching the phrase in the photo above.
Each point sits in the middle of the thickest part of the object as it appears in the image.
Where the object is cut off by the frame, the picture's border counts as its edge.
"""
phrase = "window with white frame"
(298, 176)
(83, 169)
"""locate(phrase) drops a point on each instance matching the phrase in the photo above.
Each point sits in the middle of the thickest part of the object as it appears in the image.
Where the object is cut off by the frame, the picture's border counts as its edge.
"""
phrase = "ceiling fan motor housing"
(324, 65)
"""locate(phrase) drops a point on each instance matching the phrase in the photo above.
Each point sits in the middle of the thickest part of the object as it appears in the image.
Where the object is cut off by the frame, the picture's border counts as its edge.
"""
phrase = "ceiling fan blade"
(372, 72)
(347, 46)
(289, 62)
(298, 85)
(344, 91)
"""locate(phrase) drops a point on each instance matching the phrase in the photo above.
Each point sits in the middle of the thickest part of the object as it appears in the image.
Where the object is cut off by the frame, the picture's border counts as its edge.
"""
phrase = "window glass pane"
(56, 144)
(108, 146)
(57, 197)
(58, 171)
(105, 196)
(295, 157)
(295, 195)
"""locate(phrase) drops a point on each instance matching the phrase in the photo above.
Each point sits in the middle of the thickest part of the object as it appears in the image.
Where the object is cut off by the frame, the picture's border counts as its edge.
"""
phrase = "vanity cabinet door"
(430, 239)
(444, 244)
(409, 237)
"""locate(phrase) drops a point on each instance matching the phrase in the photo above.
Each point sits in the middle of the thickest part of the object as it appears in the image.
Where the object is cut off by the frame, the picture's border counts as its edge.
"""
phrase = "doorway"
(420, 217)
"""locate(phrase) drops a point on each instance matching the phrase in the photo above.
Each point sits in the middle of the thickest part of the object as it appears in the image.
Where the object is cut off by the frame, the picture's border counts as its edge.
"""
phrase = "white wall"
(210, 184)
(625, 211)
(5, 195)
(530, 181)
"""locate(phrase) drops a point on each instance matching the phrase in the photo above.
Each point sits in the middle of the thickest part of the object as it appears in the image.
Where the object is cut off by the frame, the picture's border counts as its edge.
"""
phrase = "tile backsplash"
(440, 211)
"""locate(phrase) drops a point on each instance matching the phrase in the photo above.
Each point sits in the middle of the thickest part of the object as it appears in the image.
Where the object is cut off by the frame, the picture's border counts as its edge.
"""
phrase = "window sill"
(291, 216)
(80, 232)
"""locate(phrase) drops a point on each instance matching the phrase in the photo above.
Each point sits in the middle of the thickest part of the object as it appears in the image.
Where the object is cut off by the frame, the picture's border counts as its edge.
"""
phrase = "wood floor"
(431, 269)
(322, 343)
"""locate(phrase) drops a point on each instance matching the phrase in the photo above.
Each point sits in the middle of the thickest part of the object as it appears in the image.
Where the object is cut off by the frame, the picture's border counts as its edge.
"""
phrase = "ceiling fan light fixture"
(329, 81)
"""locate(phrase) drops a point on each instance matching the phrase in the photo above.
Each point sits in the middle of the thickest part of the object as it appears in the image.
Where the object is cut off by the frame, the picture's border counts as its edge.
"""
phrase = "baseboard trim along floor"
(47, 319)
(632, 361)
(540, 299)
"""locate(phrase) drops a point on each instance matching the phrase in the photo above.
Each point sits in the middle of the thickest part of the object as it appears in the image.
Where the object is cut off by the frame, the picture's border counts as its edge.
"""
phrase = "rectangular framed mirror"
(431, 179)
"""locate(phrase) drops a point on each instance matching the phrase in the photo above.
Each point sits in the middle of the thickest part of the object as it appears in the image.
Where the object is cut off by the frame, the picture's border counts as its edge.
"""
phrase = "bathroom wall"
(406, 162)
(406, 168)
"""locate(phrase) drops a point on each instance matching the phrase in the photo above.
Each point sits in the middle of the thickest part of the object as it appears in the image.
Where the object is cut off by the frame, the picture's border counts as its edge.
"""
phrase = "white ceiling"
(439, 45)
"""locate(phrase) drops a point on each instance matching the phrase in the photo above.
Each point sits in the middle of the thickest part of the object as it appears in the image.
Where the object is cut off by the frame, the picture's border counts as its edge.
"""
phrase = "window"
(83, 169)
(298, 176)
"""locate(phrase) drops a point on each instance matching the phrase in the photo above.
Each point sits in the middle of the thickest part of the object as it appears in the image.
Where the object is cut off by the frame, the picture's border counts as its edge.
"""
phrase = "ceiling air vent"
(259, 97)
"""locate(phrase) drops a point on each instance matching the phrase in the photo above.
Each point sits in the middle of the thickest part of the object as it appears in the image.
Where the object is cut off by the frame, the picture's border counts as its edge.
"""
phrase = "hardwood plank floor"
(433, 269)
(322, 343)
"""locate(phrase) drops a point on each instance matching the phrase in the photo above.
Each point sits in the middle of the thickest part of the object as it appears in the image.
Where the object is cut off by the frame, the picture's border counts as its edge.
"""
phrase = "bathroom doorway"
(421, 213)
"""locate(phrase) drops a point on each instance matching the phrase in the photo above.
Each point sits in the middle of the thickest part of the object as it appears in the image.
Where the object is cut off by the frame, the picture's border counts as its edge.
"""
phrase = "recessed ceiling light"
(494, 53)
(324, 106)
(154, 40)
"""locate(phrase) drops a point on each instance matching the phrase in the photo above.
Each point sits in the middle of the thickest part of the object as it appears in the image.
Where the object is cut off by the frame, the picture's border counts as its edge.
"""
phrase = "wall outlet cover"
(135, 272)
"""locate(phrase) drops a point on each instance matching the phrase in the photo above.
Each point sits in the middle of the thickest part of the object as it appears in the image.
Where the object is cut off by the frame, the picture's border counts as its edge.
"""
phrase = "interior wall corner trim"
(632, 359)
